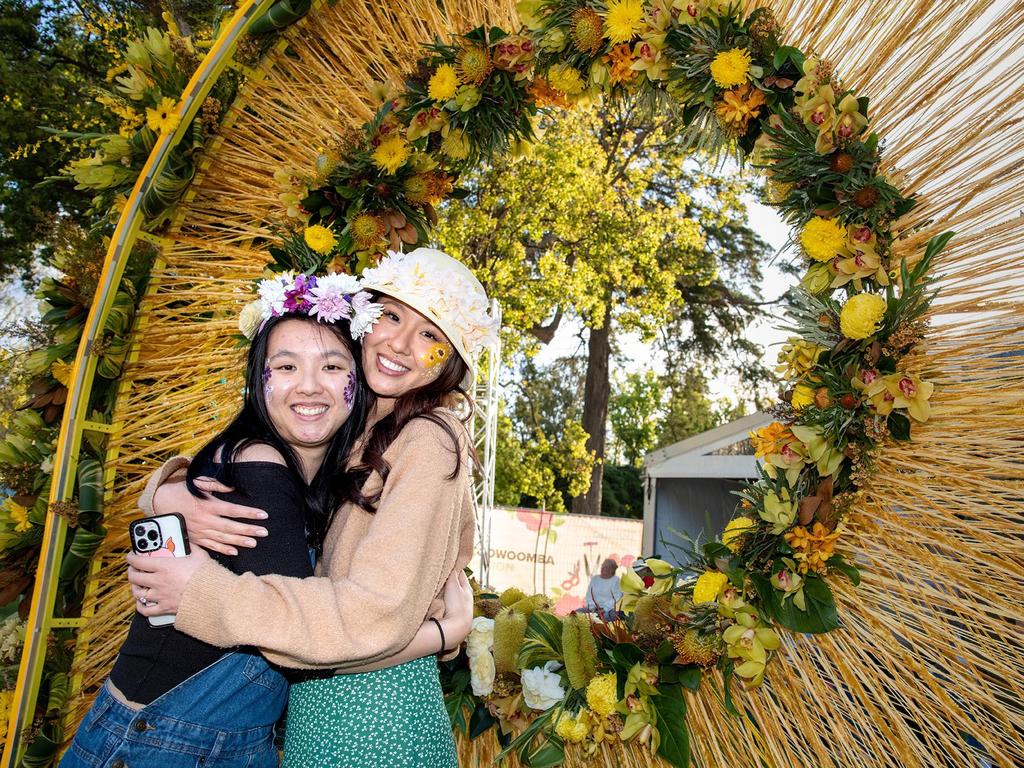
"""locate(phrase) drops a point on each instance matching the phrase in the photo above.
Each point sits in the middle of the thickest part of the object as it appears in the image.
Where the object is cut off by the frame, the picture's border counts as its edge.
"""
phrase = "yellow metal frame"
(74, 422)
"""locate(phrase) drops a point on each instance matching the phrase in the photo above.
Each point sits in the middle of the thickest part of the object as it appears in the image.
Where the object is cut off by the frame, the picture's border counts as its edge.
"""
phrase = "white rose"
(542, 686)
(249, 319)
(481, 637)
(481, 673)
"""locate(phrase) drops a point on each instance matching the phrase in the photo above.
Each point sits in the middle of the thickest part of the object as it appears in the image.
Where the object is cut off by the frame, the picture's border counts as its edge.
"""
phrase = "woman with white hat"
(387, 552)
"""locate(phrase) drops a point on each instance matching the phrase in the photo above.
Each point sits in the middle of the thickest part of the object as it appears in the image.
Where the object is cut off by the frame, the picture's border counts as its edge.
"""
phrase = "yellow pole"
(66, 457)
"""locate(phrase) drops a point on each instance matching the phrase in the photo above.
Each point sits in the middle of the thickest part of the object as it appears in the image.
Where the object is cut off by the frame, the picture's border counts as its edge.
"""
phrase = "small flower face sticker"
(435, 357)
(350, 390)
(268, 388)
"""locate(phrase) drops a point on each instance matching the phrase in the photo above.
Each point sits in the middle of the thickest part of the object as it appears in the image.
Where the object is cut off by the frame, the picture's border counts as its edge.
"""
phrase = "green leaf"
(675, 735)
(480, 721)
(727, 673)
(543, 641)
(937, 244)
(549, 753)
(690, 677)
(820, 615)
(899, 426)
(788, 52)
(850, 571)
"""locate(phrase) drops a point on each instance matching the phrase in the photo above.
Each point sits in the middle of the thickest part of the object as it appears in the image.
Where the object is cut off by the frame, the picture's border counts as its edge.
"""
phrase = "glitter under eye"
(350, 389)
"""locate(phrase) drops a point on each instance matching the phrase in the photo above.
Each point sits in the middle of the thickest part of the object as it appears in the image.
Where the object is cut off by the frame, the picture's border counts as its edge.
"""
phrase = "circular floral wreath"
(544, 681)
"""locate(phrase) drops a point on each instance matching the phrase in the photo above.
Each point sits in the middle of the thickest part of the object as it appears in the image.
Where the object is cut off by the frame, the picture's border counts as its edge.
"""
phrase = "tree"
(634, 413)
(605, 222)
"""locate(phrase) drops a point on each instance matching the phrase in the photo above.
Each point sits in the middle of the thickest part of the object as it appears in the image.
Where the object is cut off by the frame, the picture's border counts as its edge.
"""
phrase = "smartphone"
(159, 536)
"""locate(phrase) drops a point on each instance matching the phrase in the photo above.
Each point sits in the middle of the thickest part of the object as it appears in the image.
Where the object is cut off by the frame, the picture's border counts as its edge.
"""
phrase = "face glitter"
(267, 387)
(350, 389)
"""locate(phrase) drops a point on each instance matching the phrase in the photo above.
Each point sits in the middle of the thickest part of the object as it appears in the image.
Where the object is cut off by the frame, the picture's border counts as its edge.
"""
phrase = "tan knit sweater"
(380, 575)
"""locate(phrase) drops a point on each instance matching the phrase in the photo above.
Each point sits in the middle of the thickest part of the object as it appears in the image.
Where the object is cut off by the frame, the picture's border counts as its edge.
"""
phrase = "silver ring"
(142, 601)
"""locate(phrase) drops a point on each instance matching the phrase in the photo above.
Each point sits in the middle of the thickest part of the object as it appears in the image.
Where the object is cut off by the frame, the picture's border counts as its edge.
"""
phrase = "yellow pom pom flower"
(823, 239)
(163, 119)
(730, 68)
(862, 315)
(18, 515)
(734, 530)
(391, 154)
(803, 396)
(572, 729)
(623, 20)
(566, 79)
(443, 83)
(709, 586)
(320, 239)
(602, 694)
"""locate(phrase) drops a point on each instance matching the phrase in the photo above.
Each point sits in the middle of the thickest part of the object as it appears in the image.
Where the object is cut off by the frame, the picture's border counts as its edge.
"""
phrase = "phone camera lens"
(151, 535)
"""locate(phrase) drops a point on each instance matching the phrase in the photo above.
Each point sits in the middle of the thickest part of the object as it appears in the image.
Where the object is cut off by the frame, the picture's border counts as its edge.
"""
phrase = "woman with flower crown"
(387, 551)
(174, 701)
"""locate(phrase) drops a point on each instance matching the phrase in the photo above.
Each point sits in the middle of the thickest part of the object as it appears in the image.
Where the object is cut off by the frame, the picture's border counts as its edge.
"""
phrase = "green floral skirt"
(391, 718)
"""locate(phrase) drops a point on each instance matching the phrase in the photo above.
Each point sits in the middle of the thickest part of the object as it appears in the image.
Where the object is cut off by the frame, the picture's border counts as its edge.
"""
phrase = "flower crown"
(328, 298)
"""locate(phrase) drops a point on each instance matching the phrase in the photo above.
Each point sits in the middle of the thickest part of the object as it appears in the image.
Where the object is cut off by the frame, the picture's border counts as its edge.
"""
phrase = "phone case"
(159, 536)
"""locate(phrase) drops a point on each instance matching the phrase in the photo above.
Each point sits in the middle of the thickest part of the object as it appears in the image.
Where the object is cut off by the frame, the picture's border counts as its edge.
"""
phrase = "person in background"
(604, 591)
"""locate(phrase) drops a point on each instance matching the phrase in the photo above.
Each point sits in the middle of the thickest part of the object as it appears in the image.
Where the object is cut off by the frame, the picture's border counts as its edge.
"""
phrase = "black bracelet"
(439, 629)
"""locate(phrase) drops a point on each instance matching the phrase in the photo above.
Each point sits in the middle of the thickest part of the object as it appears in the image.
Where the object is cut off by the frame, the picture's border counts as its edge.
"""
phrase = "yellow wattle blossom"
(623, 20)
(709, 586)
(734, 531)
(730, 68)
(443, 83)
(602, 694)
(320, 239)
(823, 239)
(164, 119)
(391, 154)
(862, 315)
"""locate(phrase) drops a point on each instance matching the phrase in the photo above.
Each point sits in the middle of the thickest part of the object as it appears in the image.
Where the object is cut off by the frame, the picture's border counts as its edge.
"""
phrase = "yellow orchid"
(779, 509)
(426, 122)
(876, 391)
(749, 641)
(819, 112)
(826, 457)
(910, 392)
(813, 548)
(860, 261)
(650, 58)
(851, 122)
(790, 583)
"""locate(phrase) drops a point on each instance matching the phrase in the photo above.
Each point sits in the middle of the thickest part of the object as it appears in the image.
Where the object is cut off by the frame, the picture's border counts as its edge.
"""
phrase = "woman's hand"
(207, 519)
(159, 582)
(458, 612)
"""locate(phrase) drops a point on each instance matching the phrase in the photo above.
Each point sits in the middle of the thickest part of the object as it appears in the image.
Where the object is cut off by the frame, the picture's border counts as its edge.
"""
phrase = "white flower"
(481, 636)
(542, 686)
(365, 314)
(46, 465)
(272, 296)
(481, 673)
(250, 318)
(341, 282)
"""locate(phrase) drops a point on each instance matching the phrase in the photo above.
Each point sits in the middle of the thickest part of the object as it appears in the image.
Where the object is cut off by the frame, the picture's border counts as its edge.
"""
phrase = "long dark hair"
(331, 485)
(420, 403)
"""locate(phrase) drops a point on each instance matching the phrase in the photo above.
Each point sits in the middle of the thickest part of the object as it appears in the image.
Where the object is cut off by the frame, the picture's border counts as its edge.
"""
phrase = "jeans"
(221, 717)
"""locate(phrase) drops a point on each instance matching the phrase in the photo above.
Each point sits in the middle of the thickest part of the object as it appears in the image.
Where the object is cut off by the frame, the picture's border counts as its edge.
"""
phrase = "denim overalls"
(221, 717)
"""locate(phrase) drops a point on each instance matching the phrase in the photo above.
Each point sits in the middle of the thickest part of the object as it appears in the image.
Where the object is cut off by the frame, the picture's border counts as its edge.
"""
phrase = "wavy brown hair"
(420, 403)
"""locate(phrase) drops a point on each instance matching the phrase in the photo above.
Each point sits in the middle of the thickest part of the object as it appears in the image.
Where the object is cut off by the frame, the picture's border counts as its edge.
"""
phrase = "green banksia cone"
(509, 632)
(528, 605)
(511, 596)
(579, 650)
(649, 614)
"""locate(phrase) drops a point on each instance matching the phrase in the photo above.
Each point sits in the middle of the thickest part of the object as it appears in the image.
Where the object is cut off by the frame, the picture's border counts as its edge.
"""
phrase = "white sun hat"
(443, 290)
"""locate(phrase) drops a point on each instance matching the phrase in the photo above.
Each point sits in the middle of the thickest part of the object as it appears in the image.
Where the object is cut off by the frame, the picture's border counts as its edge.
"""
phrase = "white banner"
(556, 554)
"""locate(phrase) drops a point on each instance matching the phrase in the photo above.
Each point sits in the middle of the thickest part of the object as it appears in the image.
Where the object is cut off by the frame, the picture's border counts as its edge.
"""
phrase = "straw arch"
(914, 667)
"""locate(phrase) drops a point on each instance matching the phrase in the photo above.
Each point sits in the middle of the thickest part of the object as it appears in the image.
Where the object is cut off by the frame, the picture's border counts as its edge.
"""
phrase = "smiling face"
(309, 383)
(404, 351)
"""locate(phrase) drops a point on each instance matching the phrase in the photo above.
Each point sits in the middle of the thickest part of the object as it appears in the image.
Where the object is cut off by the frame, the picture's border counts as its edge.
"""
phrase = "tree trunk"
(596, 392)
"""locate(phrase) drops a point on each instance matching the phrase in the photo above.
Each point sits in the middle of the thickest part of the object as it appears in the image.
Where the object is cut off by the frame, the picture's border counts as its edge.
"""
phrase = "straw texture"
(932, 648)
